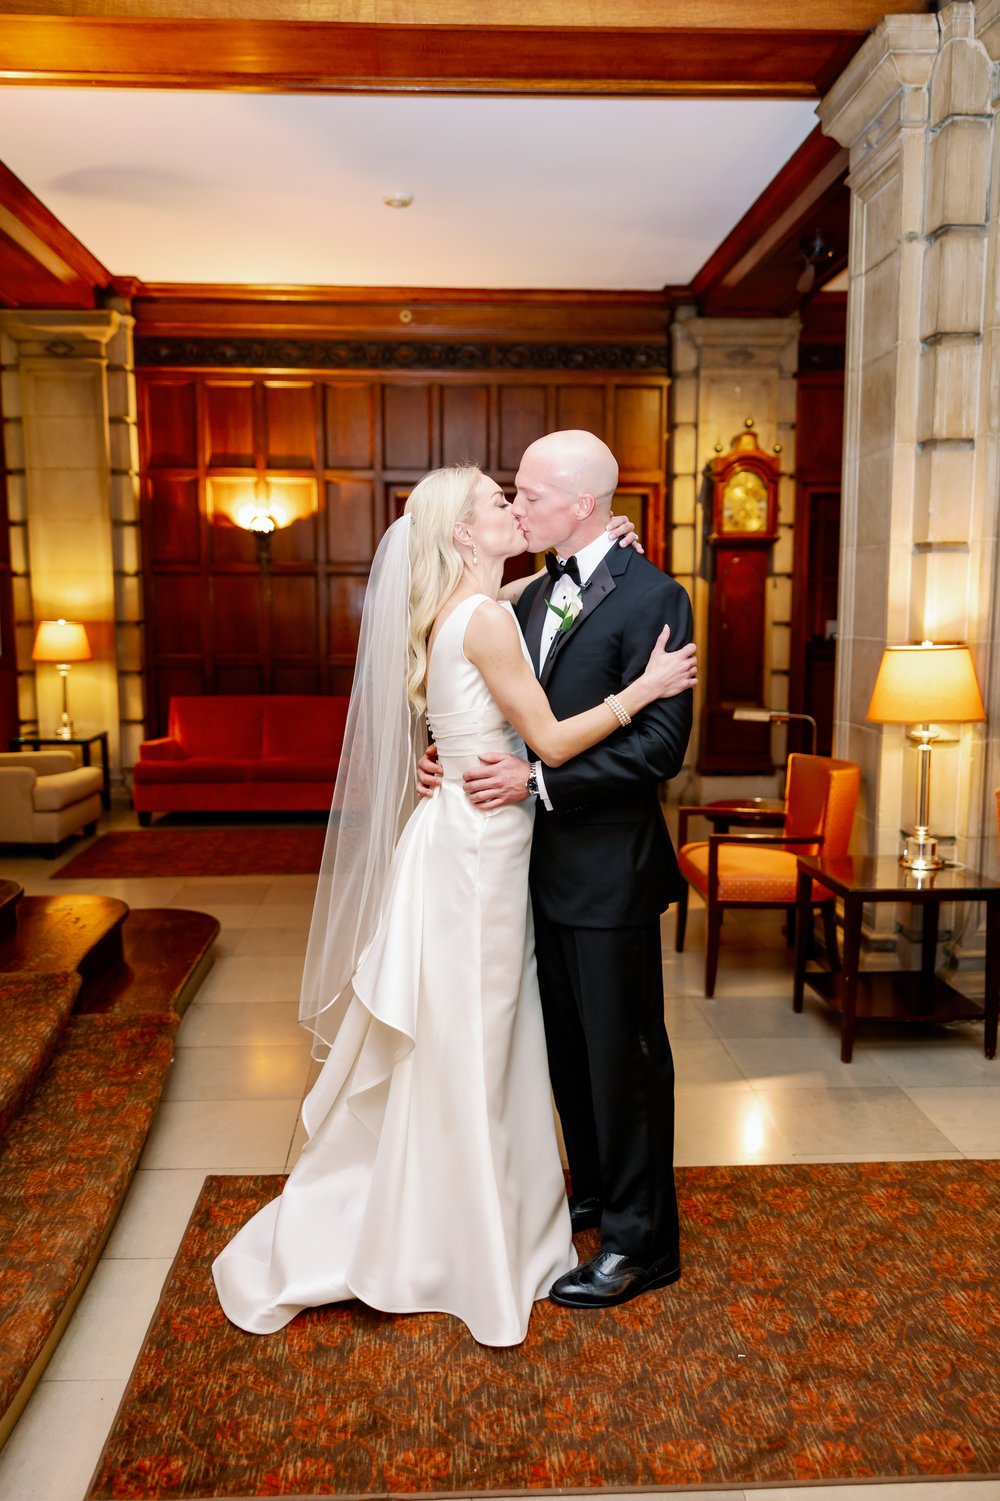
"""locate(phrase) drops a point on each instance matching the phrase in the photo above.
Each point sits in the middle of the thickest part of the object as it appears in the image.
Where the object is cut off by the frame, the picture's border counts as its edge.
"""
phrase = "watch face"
(744, 503)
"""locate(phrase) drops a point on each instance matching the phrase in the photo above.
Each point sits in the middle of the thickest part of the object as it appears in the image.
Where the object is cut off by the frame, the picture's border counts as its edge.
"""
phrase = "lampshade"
(60, 641)
(921, 684)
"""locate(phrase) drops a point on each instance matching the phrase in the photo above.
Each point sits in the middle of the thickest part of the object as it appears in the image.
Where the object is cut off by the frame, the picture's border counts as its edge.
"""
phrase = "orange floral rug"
(833, 1323)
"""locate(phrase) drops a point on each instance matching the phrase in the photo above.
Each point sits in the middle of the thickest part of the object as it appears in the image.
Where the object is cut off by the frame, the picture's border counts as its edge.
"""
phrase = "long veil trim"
(374, 795)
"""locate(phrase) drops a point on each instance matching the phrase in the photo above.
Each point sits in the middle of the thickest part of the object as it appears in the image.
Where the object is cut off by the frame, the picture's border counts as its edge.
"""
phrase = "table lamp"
(918, 686)
(62, 642)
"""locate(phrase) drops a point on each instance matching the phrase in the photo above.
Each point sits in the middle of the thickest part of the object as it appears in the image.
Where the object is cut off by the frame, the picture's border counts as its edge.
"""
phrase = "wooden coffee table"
(896, 995)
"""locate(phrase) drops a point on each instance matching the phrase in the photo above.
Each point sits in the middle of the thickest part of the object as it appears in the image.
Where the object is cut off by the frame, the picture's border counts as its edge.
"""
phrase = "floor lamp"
(61, 642)
(922, 686)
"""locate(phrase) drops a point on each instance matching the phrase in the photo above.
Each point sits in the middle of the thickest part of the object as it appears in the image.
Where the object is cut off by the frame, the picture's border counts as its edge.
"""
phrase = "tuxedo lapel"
(536, 619)
(599, 586)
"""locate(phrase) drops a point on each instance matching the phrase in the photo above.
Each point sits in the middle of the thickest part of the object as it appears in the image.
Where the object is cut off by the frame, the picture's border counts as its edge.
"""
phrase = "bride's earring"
(475, 556)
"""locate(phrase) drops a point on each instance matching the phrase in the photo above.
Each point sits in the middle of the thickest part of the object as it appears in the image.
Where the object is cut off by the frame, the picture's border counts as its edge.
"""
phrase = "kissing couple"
(499, 930)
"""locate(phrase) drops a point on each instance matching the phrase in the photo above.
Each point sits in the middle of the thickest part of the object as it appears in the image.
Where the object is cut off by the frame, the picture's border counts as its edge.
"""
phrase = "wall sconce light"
(62, 642)
(263, 518)
(917, 685)
(779, 716)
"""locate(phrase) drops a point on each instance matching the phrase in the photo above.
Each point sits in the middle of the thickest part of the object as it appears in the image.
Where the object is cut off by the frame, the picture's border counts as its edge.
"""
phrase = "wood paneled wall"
(338, 452)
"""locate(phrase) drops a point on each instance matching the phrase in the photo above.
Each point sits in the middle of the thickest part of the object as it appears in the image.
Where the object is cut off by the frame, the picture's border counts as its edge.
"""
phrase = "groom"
(602, 866)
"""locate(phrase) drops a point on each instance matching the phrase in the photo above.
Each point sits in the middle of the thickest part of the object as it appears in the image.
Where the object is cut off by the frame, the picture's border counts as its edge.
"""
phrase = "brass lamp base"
(920, 851)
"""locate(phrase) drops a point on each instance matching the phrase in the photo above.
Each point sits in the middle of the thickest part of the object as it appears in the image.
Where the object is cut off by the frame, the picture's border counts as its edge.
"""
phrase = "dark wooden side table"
(896, 995)
(759, 812)
(35, 742)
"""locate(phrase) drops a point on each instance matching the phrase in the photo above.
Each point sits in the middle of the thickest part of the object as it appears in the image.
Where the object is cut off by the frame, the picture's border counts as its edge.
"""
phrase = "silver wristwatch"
(532, 783)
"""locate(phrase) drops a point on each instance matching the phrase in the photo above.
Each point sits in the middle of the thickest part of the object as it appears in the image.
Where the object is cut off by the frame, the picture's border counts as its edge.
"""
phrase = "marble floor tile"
(32, 1466)
(106, 1332)
(222, 1136)
(237, 977)
(294, 916)
(704, 1060)
(266, 941)
(968, 1117)
(155, 1214)
(227, 890)
(770, 1016)
(238, 1073)
(941, 1059)
(229, 914)
(931, 1490)
(852, 1120)
(686, 1018)
(804, 1062)
(241, 1024)
(725, 1124)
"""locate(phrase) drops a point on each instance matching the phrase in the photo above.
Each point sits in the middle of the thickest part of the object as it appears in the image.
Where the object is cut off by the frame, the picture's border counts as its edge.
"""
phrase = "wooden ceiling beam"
(801, 61)
(41, 262)
(754, 270)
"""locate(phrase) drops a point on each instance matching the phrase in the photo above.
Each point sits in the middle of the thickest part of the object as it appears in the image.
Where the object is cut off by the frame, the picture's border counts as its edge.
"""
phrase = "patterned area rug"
(272, 851)
(834, 1323)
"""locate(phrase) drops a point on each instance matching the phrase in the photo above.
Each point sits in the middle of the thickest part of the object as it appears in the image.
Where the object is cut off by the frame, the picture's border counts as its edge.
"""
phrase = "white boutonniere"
(569, 611)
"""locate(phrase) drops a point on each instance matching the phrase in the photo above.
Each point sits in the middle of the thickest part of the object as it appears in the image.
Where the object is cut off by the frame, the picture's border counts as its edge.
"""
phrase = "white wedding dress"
(431, 1178)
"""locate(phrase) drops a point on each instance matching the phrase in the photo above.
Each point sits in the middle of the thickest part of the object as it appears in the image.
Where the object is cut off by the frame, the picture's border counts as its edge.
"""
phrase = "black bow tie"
(557, 569)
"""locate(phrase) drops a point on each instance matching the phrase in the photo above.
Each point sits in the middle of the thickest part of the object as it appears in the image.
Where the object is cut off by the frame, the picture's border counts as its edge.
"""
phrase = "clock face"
(744, 503)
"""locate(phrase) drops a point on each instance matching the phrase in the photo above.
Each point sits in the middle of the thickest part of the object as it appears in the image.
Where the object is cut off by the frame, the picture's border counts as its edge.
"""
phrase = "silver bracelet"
(622, 716)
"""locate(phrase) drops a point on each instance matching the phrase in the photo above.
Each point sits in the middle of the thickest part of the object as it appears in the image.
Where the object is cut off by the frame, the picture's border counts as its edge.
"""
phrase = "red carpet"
(834, 1323)
(271, 851)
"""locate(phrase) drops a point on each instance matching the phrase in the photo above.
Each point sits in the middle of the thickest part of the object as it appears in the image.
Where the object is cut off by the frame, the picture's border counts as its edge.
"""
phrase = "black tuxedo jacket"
(602, 858)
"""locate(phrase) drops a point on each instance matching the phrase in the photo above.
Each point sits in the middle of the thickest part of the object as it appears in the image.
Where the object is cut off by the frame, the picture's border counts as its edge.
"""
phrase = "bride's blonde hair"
(441, 499)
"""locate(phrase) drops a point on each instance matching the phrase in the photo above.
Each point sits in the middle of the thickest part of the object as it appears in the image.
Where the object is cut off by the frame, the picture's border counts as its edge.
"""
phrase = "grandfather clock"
(742, 527)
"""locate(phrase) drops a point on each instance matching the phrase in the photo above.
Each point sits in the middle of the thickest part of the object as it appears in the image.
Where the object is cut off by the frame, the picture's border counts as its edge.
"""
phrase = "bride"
(431, 1177)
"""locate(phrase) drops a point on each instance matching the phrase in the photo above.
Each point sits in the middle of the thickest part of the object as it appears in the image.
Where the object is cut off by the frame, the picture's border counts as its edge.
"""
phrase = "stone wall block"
(786, 500)
(130, 648)
(131, 697)
(125, 497)
(878, 404)
(123, 439)
(939, 595)
(683, 494)
(13, 442)
(10, 391)
(121, 394)
(780, 598)
(874, 499)
(881, 218)
(949, 390)
(684, 401)
(17, 497)
(684, 449)
(943, 494)
(782, 557)
(953, 284)
(682, 549)
(962, 81)
(780, 641)
(125, 549)
(958, 173)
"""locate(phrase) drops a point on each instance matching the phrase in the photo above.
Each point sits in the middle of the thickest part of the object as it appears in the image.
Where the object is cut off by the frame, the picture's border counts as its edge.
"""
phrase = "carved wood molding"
(396, 355)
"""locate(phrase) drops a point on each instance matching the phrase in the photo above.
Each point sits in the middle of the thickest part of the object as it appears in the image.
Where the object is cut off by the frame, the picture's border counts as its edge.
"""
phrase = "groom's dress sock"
(612, 1076)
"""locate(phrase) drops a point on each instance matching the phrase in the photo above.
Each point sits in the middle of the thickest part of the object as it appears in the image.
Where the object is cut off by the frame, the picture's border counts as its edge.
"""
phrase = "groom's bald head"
(565, 485)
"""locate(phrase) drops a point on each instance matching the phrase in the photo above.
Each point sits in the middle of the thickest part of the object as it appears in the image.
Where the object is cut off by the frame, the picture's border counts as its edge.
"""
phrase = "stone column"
(55, 367)
(919, 558)
(723, 371)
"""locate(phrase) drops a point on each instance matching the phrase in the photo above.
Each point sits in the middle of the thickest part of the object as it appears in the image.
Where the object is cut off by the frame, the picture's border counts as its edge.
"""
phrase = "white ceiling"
(287, 188)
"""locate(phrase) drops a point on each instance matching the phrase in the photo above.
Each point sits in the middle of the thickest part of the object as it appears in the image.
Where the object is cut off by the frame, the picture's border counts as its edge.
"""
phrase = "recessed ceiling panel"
(507, 192)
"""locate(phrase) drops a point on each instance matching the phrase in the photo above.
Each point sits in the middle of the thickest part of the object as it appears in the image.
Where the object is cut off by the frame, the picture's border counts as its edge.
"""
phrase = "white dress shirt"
(564, 589)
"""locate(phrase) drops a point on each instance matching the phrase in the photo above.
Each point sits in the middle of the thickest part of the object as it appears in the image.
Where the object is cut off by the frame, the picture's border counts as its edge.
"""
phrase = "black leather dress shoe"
(585, 1214)
(609, 1278)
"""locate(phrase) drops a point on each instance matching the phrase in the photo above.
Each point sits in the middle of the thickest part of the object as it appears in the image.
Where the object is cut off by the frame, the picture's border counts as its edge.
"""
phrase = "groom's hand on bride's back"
(497, 782)
(429, 772)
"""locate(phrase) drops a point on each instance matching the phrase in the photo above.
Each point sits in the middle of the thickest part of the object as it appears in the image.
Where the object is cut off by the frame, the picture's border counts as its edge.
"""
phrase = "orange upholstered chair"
(758, 870)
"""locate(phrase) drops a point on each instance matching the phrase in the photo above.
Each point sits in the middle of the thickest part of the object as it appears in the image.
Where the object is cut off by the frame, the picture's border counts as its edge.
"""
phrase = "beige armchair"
(45, 796)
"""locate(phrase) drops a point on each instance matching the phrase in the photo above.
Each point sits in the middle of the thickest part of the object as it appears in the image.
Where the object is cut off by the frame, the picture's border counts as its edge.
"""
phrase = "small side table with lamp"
(920, 686)
(64, 642)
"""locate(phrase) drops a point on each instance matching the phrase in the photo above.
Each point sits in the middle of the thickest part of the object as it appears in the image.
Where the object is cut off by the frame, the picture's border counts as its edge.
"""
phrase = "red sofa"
(242, 753)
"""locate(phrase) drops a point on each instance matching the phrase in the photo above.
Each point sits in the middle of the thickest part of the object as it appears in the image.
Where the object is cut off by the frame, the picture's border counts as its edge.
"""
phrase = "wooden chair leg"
(830, 933)
(145, 819)
(790, 913)
(712, 940)
(682, 918)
